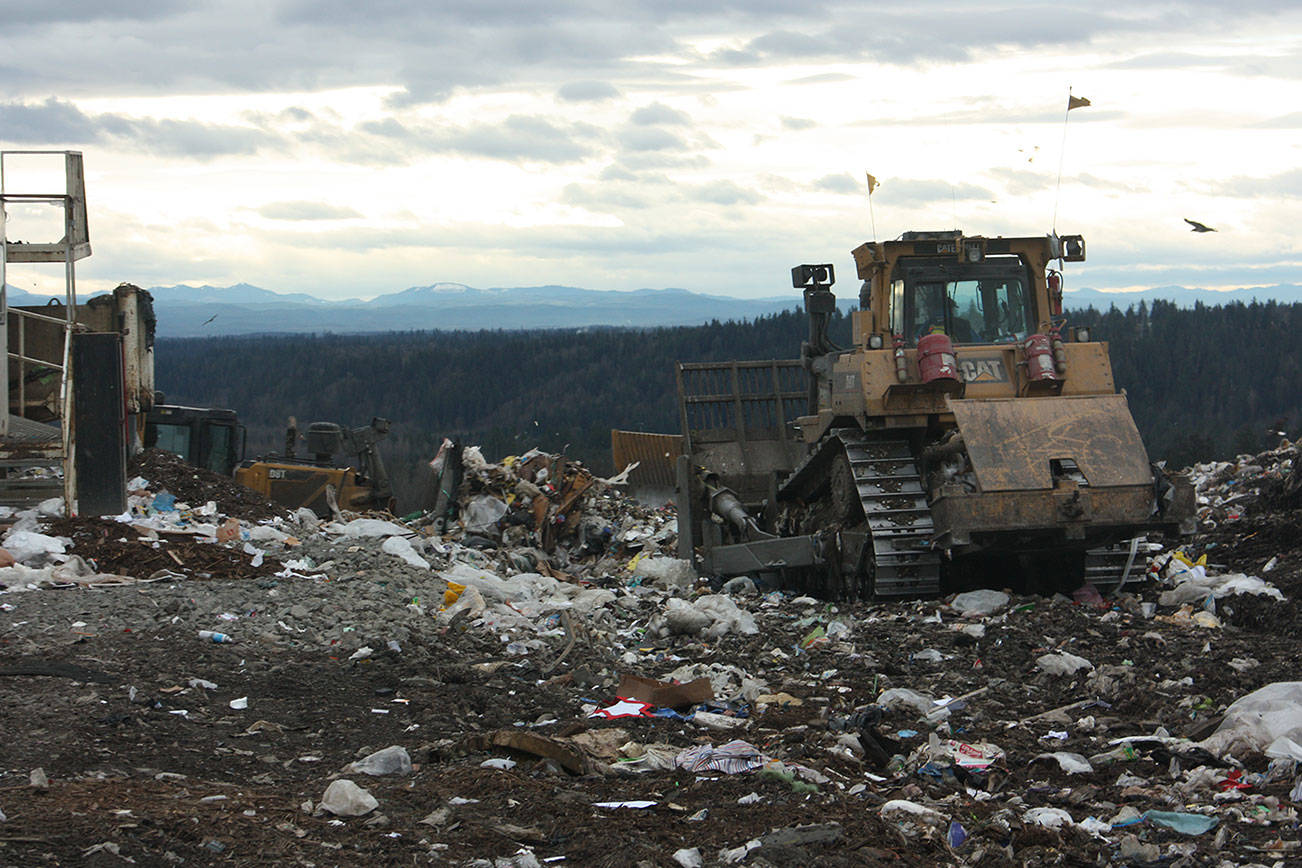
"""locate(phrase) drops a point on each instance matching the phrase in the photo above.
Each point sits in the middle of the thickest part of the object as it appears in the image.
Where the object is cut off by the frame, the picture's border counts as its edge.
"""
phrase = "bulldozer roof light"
(811, 276)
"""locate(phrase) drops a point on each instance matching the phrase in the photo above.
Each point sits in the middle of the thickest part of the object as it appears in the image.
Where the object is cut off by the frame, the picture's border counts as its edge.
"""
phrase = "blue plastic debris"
(1186, 824)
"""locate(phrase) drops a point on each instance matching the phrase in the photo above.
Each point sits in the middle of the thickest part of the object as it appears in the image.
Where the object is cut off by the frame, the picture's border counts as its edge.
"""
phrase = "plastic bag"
(483, 512)
(978, 604)
(392, 760)
(666, 572)
(343, 798)
(1062, 664)
(904, 699)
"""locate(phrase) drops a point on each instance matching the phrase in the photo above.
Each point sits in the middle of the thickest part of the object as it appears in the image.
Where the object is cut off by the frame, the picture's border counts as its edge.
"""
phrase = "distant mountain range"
(1288, 293)
(192, 311)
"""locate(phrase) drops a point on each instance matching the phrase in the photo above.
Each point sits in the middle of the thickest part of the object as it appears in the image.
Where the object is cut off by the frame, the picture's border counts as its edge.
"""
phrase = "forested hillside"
(1207, 382)
(1203, 382)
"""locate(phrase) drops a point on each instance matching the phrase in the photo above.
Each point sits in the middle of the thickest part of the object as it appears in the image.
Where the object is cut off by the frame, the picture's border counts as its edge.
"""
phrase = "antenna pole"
(1062, 153)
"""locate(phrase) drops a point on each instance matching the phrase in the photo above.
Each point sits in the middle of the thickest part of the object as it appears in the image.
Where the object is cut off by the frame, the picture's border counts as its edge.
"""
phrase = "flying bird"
(1198, 227)
(208, 320)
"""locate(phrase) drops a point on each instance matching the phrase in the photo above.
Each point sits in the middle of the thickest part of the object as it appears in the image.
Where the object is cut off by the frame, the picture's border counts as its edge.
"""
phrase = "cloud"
(522, 137)
(840, 184)
(1287, 66)
(23, 13)
(51, 121)
(659, 113)
(607, 197)
(910, 191)
(1169, 60)
(1290, 121)
(575, 49)
(617, 173)
(640, 161)
(58, 121)
(587, 91)
(190, 139)
(650, 139)
(1284, 185)
(798, 123)
(823, 78)
(518, 138)
(306, 211)
(946, 32)
(725, 193)
(1019, 183)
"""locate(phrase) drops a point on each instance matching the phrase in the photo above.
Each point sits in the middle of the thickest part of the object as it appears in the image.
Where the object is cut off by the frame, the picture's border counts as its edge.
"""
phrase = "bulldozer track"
(894, 506)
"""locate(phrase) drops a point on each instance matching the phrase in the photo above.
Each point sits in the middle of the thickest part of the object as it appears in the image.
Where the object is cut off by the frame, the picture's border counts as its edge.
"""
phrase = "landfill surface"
(209, 679)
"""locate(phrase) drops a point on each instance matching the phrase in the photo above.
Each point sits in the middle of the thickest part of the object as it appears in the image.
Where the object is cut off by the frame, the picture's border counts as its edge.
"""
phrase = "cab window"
(173, 438)
(220, 459)
(985, 302)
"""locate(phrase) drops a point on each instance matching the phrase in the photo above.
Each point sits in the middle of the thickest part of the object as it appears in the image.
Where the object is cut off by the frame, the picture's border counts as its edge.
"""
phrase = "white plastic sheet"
(401, 547)
(1198, 586)
(32, 548)
(371, 527)
(1267, 719)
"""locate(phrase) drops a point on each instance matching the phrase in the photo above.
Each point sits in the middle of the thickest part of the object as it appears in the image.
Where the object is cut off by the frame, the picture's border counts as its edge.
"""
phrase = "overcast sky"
(349, 148)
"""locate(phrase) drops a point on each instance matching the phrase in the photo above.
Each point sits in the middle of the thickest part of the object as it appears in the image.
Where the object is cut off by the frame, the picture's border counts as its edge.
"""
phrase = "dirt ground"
(145, 768)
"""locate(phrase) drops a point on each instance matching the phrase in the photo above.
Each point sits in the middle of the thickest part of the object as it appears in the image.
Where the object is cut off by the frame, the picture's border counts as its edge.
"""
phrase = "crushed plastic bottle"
(213, 636)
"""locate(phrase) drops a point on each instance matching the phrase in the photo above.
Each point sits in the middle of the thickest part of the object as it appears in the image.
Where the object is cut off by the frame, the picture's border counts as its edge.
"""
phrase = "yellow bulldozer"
(968, 436)
(323, 481)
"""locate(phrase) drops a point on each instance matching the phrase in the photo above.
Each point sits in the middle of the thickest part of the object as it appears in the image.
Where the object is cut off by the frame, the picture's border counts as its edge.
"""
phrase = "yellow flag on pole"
(872, 183)
(1076, 102)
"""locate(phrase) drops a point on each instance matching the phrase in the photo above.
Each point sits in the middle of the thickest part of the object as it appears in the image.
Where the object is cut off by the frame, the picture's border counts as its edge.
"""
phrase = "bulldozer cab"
(206, 437)
(985, 302)
(975, 290)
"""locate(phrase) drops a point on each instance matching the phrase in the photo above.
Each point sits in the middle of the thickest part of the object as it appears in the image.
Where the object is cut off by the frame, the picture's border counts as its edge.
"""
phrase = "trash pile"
(527, 675)
(170, 473)
(1270, 480)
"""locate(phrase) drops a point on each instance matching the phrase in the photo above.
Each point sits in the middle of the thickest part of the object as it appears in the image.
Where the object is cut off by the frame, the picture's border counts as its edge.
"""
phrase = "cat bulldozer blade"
(967, 437)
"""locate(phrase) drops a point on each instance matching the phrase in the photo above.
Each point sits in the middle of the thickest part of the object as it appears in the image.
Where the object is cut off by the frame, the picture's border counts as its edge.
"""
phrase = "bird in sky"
(1198, 227)
(208, 320)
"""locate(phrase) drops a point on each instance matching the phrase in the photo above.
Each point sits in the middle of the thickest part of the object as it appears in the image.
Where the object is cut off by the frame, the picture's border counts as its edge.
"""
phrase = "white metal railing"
(74, 245)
